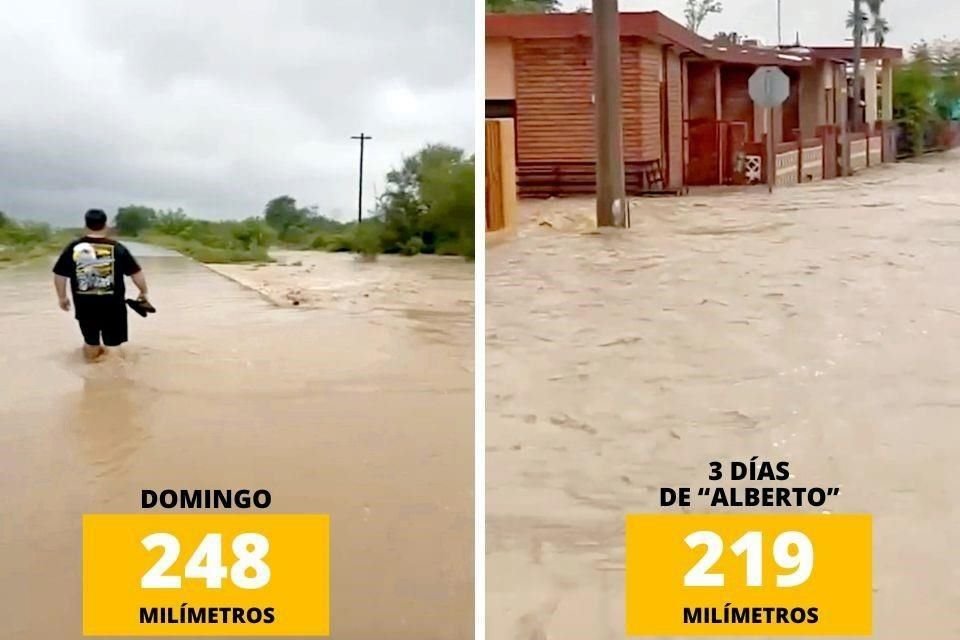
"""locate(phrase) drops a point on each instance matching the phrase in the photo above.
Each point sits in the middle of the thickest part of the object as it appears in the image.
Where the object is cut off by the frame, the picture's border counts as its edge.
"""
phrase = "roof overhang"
(649, 25)
(866, 53)
(757, 56)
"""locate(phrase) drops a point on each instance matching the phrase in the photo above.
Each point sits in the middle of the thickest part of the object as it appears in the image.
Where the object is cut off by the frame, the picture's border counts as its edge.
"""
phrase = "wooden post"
(612, 206)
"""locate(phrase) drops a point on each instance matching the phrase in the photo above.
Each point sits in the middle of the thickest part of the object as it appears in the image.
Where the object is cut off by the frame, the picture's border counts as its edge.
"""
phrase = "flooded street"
(819, 325)
(366, 415)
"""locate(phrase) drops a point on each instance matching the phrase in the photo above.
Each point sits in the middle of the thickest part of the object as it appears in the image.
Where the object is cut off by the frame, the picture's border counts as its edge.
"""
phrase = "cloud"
(218, 106)
(818, 22)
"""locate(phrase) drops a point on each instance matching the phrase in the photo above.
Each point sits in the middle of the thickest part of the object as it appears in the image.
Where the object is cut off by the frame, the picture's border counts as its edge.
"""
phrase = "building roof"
(747, 54)
(846, 53)
(649, 25)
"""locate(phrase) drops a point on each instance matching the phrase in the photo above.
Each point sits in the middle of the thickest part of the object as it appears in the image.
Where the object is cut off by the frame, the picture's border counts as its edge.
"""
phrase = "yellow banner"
(206, 575)
(749, 574)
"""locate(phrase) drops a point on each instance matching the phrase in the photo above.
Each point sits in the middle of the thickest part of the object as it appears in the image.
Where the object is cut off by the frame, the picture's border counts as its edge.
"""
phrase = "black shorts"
(110, 326)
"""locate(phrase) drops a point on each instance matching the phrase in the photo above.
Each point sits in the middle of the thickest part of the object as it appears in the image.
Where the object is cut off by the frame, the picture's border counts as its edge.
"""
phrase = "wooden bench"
(559, 179)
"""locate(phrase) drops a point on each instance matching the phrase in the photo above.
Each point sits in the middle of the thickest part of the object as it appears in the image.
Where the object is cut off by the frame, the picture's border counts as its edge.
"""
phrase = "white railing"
(787, 167)
(876, 150)
(812, 168)
(754, 168)
(858, 154)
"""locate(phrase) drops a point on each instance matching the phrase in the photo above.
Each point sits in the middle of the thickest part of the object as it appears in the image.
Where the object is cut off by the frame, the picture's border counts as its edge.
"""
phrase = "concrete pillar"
(840, 93)
(886, 84)
(813, 106)
(870, 92)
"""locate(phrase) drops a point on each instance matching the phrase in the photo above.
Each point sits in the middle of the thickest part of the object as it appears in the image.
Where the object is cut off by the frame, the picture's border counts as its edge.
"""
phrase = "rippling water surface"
(332, 412)
(820, 326)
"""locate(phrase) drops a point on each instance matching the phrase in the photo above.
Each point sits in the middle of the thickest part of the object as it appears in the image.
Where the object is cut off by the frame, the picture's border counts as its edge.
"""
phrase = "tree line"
(427, 207)
(926, 95)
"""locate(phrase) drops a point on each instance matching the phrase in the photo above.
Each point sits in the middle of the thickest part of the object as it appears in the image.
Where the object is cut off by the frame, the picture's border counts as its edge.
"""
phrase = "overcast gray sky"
(820, 22)
(218, 106)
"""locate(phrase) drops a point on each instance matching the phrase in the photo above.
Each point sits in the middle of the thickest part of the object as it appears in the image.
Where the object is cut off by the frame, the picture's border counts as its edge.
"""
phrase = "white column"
(870, 91)
(886, 84)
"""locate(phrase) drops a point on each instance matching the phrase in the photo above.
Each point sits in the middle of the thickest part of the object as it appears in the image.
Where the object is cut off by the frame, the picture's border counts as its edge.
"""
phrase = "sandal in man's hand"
(141, 306)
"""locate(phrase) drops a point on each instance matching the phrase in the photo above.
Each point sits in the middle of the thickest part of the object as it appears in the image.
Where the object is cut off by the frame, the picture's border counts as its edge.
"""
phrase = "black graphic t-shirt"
(96, 267)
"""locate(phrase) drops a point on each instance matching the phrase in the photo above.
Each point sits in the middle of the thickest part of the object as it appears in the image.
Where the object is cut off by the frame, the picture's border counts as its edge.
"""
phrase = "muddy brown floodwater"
(367, 416)
(820, 325)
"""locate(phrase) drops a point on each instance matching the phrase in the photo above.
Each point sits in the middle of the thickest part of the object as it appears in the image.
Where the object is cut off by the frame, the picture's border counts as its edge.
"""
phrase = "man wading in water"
(94, 266)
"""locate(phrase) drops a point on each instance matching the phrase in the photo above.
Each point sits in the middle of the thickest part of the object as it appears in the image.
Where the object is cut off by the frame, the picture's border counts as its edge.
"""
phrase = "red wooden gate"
(714, 151)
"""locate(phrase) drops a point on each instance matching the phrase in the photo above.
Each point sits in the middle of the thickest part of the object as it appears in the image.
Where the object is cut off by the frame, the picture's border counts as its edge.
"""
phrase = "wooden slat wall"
(633, 108)
(555, 112)
(648, 92)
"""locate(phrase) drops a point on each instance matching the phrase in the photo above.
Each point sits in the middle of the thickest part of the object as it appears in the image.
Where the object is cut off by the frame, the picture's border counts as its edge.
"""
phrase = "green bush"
(228, 241)
(926, 92)
(207, 253)
(320, 241)
(297, 227)
(252, 233)
(21, 241)
(133, 219)
(412, 247)
(366, 239)
(172, 223)
(429, 204)
(25, 233)
(340, 242)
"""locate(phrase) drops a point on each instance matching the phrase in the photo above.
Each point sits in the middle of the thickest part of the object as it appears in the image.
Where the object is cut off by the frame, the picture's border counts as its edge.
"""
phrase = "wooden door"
(494, 177)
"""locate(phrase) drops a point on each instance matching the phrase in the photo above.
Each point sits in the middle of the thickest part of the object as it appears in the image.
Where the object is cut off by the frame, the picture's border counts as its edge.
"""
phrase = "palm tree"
(851, 20)
(879, 26)
(855, 21)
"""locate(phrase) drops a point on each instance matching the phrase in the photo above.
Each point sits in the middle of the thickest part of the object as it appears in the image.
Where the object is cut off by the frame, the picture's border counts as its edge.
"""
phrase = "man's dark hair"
(95, 219)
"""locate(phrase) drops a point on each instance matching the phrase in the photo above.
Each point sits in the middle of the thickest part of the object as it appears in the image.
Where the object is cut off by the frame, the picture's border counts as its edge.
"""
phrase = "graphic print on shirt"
(95, 268)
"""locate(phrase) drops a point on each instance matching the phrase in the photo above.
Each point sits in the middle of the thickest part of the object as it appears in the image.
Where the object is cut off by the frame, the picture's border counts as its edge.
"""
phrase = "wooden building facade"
(687, 115)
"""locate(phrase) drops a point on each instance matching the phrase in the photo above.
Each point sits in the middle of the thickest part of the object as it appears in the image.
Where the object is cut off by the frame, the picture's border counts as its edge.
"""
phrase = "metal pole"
(612, 206)
(362, 138)
(771, 158)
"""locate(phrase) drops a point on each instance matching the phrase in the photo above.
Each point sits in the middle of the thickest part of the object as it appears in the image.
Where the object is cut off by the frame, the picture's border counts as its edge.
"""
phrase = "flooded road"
(819, 325)
(333, 412)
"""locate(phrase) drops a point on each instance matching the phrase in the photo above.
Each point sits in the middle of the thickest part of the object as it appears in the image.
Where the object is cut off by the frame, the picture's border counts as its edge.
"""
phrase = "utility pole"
(779, 37)
(362, 138)
(612, 205)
